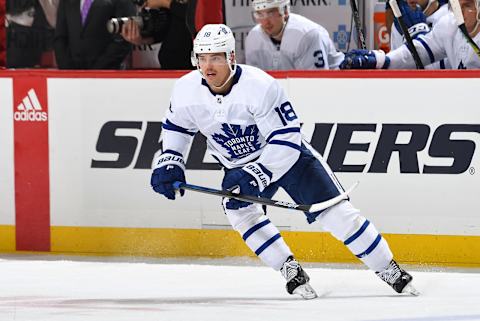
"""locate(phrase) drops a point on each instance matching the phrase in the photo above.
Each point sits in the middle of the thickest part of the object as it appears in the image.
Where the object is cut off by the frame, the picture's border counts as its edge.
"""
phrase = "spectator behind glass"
(50, 8)
(3, 37)
(29, 34)
(285, 41)
(82, 41)
(176, 45)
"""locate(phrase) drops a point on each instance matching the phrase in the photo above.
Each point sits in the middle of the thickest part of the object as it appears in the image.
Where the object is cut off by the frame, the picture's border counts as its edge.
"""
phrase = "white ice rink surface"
(53, 288)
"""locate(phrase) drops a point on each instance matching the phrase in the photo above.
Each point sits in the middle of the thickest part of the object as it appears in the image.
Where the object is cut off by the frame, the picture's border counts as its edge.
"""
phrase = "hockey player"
(282, 40)
(444, 41)
(254, 133)
(422, 15)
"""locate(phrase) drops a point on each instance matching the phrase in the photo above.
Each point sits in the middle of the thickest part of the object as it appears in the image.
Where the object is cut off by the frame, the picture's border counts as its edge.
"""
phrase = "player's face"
(214, 67)
(469, 11)
(270, 20)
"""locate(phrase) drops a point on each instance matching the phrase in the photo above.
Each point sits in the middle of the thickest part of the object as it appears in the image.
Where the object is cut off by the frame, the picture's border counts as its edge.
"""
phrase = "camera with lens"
(151, 22)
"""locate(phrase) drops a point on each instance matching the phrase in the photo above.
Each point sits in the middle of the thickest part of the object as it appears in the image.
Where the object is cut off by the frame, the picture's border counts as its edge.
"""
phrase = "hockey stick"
(266, 201)
(398, 14)
(457, 12)
(358, 25)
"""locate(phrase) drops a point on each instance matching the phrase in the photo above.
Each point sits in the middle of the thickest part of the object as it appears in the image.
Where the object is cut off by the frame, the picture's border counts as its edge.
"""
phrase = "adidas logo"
(30, 109)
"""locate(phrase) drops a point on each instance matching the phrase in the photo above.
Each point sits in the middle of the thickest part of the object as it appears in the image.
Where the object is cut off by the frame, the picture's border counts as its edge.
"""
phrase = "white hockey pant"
(260, 235)
(360, 236)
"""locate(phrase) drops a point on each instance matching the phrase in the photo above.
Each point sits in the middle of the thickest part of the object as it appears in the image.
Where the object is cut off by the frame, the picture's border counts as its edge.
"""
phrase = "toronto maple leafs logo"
(237, 142)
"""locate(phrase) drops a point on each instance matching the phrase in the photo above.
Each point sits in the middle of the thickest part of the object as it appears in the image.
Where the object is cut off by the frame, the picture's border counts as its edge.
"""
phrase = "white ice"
(52, 288)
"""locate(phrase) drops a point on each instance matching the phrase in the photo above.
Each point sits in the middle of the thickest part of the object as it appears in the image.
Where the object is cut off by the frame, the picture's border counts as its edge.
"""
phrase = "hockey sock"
(358, 234)
(264, 239)
(369, 246)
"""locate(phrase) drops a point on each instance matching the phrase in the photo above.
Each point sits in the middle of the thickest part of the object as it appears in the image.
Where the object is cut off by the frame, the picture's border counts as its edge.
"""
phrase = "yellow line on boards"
(7, 238)
(444, 250)
(440, 250)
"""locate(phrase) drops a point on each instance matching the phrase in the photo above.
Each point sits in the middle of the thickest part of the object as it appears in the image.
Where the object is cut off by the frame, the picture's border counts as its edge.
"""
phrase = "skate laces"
(391, 273)
(290, 270)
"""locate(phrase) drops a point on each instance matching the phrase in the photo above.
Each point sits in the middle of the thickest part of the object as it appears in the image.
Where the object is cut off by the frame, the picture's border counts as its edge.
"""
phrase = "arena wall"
(75, 165)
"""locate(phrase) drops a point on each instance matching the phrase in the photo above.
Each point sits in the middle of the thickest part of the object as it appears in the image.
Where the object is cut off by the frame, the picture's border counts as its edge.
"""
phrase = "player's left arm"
(430, 47)
(334, 57)
(279, 124)
(317, 51)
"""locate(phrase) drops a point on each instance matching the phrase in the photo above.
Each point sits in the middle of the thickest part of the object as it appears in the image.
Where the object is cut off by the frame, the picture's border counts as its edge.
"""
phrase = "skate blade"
(305, 291)
(409, 289)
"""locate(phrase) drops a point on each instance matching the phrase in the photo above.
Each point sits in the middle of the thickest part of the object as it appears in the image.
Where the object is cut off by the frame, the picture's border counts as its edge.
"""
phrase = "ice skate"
(398, 279)
(297, 279)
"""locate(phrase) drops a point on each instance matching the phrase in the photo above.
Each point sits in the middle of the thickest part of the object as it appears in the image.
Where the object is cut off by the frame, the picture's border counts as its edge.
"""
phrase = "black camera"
(152, 22)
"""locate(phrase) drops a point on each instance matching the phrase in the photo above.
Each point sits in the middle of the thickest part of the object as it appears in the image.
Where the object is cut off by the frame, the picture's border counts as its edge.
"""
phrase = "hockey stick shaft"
(398, 14)
(358, 25)
(472, 43)
(457, 12)
(266, 201)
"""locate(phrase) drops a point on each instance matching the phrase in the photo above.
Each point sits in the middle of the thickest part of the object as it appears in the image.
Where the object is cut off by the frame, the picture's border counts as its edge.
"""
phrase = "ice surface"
(53, 288)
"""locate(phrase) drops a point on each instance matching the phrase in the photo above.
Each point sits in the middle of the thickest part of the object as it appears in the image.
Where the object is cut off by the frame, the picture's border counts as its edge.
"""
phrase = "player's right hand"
(238, 181)
(251, 180)
(169, 168)
(365, 59)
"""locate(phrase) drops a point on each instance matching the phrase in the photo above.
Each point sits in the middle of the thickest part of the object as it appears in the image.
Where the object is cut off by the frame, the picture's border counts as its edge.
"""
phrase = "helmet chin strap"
(475, 29)
(478, 14)
(283, 26)
(281, 31)
(477, 25)
(232, 72)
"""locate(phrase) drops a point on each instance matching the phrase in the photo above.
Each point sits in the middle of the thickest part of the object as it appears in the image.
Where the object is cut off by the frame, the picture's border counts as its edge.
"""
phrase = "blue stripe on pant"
(371, 247)
(267, 244)
(255, 228)
(357, 234)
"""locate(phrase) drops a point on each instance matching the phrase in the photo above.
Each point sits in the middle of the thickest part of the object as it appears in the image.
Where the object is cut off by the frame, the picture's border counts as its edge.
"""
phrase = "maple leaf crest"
(238, 143)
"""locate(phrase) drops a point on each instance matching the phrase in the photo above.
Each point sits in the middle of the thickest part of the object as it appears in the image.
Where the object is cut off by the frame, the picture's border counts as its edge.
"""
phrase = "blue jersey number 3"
(319, 61)
(286, 113)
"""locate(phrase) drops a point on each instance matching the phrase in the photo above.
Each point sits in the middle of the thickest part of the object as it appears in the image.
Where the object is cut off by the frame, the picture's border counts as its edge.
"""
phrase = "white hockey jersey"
(396, 39)
(304, 45)
(444, 41)
(253, 122)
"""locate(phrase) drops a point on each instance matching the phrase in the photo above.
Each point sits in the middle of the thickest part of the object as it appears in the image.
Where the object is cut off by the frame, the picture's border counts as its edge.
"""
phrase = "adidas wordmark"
(30, 109)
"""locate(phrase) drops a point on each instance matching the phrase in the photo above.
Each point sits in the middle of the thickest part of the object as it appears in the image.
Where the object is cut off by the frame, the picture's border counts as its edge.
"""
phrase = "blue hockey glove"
(365, 59)
(169, 168)
(415, 20)
(251, 179)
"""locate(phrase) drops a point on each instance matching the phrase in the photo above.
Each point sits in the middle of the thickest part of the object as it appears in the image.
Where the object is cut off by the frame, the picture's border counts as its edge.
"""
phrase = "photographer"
(176, 41)
(82, 40)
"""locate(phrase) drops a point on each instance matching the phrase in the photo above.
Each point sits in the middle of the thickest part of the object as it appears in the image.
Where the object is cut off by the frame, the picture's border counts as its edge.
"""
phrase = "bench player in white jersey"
(445, 40)
(418, 12)
(252, 130)
(285, 41)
